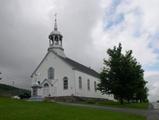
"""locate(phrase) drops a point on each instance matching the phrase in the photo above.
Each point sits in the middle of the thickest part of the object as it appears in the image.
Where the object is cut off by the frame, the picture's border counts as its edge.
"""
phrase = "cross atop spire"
(55, 24)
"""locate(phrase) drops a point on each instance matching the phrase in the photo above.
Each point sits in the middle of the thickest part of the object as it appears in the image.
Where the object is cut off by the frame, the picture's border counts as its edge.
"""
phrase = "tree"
(122, 76)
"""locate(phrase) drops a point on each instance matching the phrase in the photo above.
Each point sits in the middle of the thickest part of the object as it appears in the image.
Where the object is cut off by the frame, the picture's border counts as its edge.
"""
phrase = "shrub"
(25, 95)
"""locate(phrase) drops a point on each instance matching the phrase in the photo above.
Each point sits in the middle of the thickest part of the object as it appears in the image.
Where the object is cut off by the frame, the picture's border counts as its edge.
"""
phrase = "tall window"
(80, 82)
(51, 73)
(88, 84)
(65, 83)
(95, 86)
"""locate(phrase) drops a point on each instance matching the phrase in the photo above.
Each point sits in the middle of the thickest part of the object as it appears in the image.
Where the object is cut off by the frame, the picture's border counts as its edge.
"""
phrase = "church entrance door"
(35, 91)
(46, 90)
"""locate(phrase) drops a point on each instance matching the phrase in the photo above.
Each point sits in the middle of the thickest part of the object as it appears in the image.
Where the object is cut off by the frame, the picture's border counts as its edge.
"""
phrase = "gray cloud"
(24, 30)
(153, 83)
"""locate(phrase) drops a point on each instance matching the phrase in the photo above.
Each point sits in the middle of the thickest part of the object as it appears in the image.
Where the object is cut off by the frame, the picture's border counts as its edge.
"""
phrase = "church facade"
(57, 75)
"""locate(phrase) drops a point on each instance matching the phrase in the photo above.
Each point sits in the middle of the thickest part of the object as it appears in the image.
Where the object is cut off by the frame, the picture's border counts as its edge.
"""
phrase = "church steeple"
(55, 40)
(55, 24)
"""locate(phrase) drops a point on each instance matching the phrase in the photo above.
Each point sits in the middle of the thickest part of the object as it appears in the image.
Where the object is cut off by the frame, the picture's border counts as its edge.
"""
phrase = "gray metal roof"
(81, 67)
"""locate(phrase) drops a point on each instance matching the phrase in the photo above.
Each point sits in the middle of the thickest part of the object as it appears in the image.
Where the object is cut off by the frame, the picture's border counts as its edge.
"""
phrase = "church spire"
(55, 40)
(55, 24)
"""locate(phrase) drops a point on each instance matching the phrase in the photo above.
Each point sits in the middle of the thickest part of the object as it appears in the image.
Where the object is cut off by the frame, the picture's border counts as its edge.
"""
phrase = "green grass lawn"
(24, 110)
(125, 105)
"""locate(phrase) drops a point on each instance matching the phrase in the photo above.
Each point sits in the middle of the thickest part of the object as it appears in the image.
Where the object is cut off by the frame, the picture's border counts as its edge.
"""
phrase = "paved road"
(153, 113)
(133, 111)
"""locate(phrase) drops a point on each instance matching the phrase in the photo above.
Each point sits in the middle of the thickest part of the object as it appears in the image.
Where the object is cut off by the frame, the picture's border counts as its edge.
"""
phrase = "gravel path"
(126, 110)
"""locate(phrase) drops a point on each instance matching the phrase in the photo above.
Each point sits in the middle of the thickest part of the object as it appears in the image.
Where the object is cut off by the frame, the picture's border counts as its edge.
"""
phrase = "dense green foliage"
(8, 91)
(25, 110)
(122, 76)
(25, 95)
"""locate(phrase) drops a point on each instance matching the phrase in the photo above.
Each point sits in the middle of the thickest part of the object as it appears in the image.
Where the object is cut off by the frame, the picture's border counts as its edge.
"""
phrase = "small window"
(80, 82)
(65, 83)
(51, 73)
(95, 86)
(88, 84)
(39, 82)
(46, 85)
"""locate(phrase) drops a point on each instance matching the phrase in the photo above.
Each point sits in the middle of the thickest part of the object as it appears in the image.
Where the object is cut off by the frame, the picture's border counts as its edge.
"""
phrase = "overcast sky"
(89, 28)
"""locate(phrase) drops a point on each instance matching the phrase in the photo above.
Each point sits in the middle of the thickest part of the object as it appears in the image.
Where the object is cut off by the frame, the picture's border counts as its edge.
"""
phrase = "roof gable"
(39, 64)
(72, 63)
(46, 81)
(42, 62)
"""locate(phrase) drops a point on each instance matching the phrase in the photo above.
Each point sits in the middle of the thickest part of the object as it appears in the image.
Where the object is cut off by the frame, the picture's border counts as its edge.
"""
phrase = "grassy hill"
(8, 91)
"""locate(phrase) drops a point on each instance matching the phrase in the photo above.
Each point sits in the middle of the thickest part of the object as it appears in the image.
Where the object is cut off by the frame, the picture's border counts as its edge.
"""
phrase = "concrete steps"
(36, 98)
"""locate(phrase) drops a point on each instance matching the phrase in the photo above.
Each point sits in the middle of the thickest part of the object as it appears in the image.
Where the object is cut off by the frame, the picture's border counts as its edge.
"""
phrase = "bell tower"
(55, 41)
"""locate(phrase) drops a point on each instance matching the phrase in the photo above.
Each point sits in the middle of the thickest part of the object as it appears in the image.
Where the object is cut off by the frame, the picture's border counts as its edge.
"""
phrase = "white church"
(59, 76)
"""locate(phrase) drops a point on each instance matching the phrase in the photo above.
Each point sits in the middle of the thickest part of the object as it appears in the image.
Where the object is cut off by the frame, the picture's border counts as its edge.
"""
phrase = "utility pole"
(0, 77)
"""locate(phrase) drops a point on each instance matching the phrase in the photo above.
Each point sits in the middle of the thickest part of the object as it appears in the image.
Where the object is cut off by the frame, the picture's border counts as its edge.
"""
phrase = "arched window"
(95, 86)
(56, 38)
(65, 83)
(51, 73)
(80, 82)
(88, 84)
